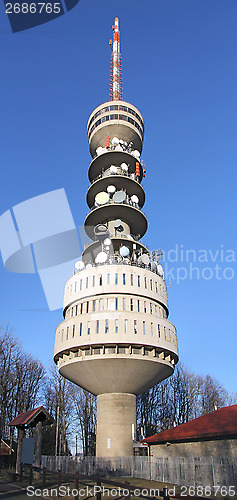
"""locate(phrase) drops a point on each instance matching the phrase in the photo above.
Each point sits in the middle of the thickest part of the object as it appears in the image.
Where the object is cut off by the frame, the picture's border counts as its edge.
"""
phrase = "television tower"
(115, 340)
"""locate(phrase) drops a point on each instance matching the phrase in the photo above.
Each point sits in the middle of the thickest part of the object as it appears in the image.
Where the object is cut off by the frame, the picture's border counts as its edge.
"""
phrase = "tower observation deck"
(115, 340)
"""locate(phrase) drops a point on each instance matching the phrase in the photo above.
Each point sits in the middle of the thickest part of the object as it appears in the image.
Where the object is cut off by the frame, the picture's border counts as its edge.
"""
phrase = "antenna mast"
(115, 67)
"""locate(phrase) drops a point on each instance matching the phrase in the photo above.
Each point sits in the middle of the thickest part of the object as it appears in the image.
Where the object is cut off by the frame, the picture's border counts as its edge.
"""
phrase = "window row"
(115, 107)
(117, 349)
(116, 304)
(112, 326)
(116, 117)
(116, 279)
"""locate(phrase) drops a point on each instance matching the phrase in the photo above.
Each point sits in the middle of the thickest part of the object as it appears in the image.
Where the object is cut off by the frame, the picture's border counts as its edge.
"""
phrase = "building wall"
(224, 448)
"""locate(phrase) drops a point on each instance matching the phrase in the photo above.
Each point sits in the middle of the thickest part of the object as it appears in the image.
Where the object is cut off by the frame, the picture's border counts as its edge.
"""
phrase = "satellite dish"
(99, 150)
(124, 167)
(139, 260)
(107, 242)
(119, 197)
(111, 189)
(79, 265)
(117, 223)
(101, 258)
(136, 153)
(145, 259)
(153, 265)
(101, 231)
(115, 141)
(113, 169)
(124, 251)
(134, 198)
(118, 148)
(102, 198)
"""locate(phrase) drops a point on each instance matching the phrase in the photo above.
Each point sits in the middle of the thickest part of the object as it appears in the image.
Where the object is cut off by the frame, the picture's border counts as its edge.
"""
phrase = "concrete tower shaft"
(116, 340)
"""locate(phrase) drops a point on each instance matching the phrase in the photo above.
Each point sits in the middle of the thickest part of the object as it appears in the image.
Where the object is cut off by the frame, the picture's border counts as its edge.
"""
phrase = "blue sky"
(179, 69)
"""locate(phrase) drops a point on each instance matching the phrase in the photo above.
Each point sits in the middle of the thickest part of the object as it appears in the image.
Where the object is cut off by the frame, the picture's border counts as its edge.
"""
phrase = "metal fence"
(206, 472)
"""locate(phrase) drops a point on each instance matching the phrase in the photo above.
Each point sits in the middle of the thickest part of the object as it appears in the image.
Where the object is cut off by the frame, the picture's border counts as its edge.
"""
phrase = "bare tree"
(85, 410)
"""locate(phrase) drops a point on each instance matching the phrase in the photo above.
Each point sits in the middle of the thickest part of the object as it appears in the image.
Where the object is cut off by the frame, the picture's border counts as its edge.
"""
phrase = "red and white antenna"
(115, 68)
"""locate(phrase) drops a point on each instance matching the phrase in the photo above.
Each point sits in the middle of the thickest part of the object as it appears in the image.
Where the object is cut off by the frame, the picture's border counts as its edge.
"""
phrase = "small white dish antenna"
(101, 258)
(118, 148)
(111, 189)
(160, 270)
(124, 251)
(115, 141)
(107, 242)
(136, 153)
(117, 223)
(153, 265)
(124, 167)
(99, 150)
(79, 265)
(113, 169)
(134, 198)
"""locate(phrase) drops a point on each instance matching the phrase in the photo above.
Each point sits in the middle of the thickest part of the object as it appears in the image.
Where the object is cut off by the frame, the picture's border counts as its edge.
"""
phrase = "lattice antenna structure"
(116, 92)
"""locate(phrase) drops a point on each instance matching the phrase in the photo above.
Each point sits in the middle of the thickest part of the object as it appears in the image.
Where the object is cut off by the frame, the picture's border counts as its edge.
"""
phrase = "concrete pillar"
(116, 425)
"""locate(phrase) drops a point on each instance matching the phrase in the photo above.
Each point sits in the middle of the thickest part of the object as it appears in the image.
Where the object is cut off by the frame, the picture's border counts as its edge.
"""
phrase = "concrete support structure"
(116, 424)
(115, 339)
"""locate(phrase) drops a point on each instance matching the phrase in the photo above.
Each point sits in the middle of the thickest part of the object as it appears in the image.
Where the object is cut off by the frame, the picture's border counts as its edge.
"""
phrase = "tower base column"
(116, 424)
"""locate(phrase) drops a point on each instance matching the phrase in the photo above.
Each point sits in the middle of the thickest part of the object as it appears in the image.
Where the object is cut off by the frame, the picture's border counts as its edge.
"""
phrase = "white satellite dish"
(124, 167)
(134, 198)
(101, 258)
(145, 259)
(102, 198)
(115, 141)
(119, 197)
(111, 189)
(79, 265)
(113, 169)
(124, 251)
(118, 148)
(136, 153)
(117, 223)
(153, 265)
(99, 150)
(107, 242)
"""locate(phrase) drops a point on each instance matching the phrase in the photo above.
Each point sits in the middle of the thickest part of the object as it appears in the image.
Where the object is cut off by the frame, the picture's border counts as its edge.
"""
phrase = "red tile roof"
(31, 417)
(219, 423)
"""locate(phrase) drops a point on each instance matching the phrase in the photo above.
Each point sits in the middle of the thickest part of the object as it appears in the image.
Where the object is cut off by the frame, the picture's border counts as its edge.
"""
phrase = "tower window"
(93, 280)
(67, 333)
(138, 305)
(75, 286)
(151, 284)
(97, 326)
(144, 327)
(138, 281)
(116, 326)
(80, 284)
(150, 308)
(72, 312)
(131, 279)
(158, 331)
(124, 279)
(108, 279)
(80, 329)
(101, 304)
(62, 334)
(88, 328)
(73, 330)
(124, 304)
(126, 326)
(144, 306)
(151, 328)
(145, 284)
(116, 304)
(131, 304)
(135, 326)
(156, 288)
(93, 306)
(87, 306)
(108, 304)
(106, 326)
(116, 278)
(81, 311)
(76, 310)
(165, 333)
(100, 279)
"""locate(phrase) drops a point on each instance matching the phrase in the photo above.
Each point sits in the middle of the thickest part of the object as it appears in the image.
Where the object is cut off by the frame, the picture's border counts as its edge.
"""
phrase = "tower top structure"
(116, 93)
